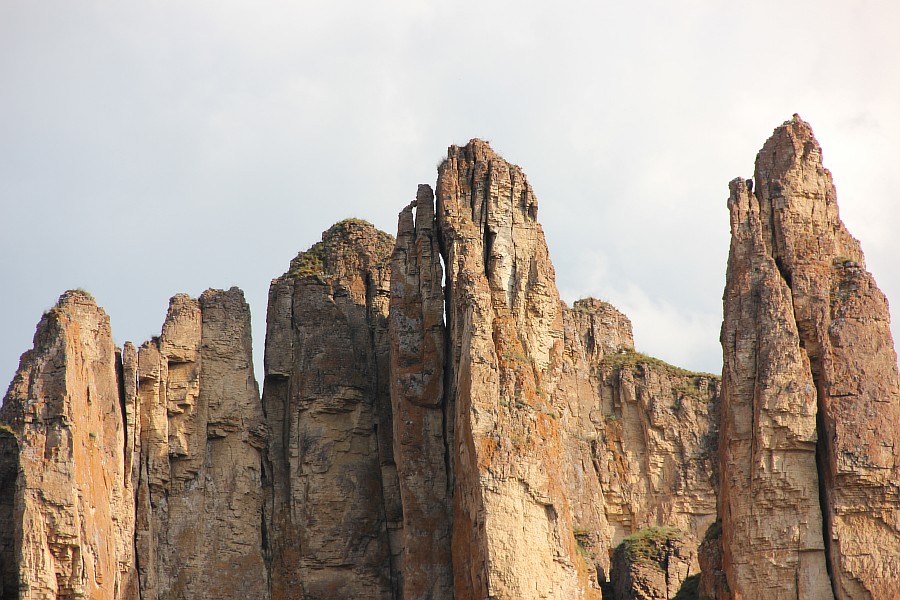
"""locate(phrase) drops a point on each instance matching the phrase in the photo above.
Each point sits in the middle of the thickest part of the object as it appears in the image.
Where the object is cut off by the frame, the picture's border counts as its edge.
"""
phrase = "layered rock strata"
(335, 510)
(639, 435)
(810, 463)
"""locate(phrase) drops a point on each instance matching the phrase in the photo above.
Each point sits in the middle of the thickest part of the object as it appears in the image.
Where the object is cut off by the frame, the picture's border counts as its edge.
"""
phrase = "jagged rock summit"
(810, 455)
(436, 424)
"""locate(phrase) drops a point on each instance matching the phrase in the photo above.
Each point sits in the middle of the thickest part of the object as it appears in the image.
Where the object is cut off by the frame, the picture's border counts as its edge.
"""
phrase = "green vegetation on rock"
(633, 359)
(315, 260)
(648, 545)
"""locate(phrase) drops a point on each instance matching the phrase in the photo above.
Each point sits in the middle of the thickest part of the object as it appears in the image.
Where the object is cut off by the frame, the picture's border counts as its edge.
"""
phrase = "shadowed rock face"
(423, 418)
(197, 437)
(809, 501)
(335, 507)
(651, 564)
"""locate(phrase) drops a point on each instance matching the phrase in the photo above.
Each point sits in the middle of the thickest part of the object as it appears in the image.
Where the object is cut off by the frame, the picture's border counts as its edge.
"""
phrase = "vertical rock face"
(639, 437)
(9, 472)
(810, 504)
(199, 490)
(69, 519)
(422, 416)
(335, 513)
(512, 525)
(137, 474)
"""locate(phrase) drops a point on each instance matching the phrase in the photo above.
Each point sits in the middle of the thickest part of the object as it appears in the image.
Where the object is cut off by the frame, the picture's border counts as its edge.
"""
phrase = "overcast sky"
(149, 148)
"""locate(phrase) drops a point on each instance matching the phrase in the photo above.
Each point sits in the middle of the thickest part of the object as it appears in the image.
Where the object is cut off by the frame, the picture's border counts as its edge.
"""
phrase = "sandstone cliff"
(810, 463)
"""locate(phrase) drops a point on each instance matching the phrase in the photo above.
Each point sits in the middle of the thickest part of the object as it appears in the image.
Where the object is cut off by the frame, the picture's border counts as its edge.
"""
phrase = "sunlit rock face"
(437, 424)
(809, 498)
(66, 501)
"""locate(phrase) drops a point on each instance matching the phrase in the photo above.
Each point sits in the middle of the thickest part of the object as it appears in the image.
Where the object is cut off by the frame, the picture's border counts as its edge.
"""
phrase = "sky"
(151, 148)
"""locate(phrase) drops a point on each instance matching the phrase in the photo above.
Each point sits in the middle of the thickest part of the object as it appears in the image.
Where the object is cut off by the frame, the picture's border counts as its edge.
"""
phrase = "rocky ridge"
(436, 423)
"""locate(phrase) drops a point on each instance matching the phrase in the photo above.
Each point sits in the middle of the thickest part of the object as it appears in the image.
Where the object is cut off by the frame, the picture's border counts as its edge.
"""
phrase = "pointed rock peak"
(350, 240)
(798, 209)
(792, 145)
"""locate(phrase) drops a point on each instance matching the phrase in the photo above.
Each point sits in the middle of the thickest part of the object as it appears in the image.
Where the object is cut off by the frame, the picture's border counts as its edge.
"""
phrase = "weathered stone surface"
(713, 581)
(652, 564)
(639, 435)
(512, 525)
(422, 417)
(478, 441)
(335, 514)
(810, 463)
(71, 514)
(199, 490)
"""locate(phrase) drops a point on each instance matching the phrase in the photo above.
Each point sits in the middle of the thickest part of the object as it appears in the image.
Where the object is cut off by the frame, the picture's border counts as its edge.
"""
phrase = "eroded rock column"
(809, 503)
(421, 413)
(71, 513)
(335, 513)
(512, 526)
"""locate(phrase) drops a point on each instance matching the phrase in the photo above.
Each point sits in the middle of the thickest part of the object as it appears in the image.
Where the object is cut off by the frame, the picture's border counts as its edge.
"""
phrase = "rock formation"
(810, 460)
(335, 506)
(198, 435)
(640, 436)
(72, 513)
(437, 424)
(423, 417)
(652, 564)
(136, 475)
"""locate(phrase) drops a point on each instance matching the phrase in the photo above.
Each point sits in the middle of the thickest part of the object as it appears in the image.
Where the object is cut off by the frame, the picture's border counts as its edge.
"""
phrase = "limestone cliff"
(810, 460)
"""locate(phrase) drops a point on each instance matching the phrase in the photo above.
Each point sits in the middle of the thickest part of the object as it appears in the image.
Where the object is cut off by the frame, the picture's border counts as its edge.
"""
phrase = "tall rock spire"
(70, 519)
(810, 455)
(512, 525)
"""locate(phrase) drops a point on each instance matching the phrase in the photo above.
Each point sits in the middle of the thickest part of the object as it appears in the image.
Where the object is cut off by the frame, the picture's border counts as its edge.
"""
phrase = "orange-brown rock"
(70, 517)
(810, 460)
(652, 564)
(335, 510)
(513, 534)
